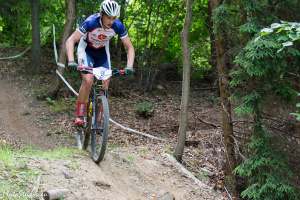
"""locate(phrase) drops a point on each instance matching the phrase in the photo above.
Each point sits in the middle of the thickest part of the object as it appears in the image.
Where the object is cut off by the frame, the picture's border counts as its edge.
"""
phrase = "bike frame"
(96, 130)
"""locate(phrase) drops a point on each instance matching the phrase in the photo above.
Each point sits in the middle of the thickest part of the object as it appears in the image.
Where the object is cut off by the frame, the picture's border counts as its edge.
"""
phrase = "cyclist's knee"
(87, 80)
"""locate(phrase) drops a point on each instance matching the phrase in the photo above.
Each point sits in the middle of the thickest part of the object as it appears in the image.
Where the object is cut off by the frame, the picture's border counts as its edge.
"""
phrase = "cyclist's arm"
(130, 51)
(70, 43)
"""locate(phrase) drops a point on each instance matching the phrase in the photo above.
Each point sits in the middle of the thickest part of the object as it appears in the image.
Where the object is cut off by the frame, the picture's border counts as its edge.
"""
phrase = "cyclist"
(93, 36)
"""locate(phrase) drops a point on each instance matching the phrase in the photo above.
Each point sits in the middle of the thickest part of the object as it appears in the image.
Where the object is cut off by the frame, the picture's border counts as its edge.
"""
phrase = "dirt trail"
(133, 173)
(120, 178)
(17, 119)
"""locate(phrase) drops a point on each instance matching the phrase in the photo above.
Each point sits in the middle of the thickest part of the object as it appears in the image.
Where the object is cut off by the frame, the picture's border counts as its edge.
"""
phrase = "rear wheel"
(100, 128)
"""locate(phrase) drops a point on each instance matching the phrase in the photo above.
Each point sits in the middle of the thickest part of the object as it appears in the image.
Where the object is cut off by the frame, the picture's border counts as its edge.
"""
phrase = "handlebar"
(114, 72)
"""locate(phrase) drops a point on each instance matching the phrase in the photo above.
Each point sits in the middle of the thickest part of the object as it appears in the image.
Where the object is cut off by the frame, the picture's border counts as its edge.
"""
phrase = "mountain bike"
(96, 122)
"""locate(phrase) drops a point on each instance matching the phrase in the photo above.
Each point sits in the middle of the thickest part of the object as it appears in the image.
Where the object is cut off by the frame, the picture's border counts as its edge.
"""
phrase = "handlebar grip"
(118, 72)
(72, 65)
(122, 72)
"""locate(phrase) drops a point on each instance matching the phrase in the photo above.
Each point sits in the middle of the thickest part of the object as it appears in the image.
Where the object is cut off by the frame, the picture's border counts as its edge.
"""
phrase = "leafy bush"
(266, 171)
(144, 109)
(265, 65)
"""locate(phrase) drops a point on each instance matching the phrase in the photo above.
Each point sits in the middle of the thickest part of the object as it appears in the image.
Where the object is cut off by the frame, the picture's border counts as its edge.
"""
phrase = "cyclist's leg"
(82, 100)
(85, 88)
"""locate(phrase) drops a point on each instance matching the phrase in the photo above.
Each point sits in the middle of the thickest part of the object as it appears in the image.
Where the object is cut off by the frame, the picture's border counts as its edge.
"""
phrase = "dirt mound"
(126, 173)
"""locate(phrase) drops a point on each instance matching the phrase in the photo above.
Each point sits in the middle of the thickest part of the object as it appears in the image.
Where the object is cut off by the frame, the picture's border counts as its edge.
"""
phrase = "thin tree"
(185, 83)
(68, 27)
(36, 41)
(223, 67)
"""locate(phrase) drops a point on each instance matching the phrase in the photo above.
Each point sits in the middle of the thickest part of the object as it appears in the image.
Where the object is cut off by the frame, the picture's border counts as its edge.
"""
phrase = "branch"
(205, 122)
(184, 171)
(237, 147)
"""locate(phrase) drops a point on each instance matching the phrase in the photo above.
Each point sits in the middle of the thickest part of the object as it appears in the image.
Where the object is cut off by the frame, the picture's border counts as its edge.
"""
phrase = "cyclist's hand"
(115, 72)
(73, 65)
(129, 71)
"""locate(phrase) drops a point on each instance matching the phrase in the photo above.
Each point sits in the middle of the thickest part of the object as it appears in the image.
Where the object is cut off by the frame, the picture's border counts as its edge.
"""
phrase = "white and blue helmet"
(110, 8)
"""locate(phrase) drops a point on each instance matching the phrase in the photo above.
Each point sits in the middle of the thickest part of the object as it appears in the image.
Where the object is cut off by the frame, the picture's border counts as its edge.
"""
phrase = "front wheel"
(100, 128)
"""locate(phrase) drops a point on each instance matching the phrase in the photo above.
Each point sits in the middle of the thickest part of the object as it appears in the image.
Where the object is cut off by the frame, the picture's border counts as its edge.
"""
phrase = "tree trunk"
(36, 42)
(70, 19)
(223, 66)
(68, 27)
(119, 45)
(213, 60)
(185, 83)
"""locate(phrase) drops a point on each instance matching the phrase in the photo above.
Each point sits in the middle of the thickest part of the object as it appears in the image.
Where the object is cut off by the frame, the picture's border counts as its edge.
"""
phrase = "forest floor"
(38, 150)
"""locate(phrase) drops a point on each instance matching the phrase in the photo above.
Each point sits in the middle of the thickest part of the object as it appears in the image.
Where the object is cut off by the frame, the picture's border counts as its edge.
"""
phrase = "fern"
(266, 170)
(264, 64)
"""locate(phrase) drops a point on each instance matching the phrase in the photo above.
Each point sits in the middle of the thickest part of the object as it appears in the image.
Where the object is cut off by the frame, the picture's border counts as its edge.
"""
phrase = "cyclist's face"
(107, 21)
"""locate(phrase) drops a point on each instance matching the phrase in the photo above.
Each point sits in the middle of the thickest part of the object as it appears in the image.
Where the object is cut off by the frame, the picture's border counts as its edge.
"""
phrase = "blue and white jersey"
(96, 36)
(93, 48)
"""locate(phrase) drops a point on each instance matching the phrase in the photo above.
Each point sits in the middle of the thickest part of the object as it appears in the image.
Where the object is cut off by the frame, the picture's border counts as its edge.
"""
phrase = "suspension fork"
(94, 105)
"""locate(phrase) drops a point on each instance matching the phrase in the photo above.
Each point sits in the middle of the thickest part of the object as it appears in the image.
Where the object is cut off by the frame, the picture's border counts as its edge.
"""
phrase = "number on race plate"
(102, 73)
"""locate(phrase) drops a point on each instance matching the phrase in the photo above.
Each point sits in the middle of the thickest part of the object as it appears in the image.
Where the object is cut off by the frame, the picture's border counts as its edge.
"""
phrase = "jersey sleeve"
(84, 27)
(88, 24)
(120, 29)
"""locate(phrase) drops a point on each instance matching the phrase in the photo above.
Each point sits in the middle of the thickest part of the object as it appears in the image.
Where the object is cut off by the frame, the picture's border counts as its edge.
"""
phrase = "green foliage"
(246, 106)
(154, 28)
(16, 26)
(200, 62)
(288, 32)
(51, 13)
(1, 24)
(264, 68)
(152, 25)
(266, 171)
(199, 42)
(222, 18)
(16, 23)
(144, 109)
(297, 114)
(155, 32)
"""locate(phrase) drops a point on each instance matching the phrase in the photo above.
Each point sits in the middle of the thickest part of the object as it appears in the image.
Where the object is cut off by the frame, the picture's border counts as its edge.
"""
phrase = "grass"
(15, 176)
(61, 105)
(144, 151)
(112, 147)
(17, 179)
(203, 176)
(54, 154)
(130, 159)
(6, 155)
(74, 165)
(168, 149)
